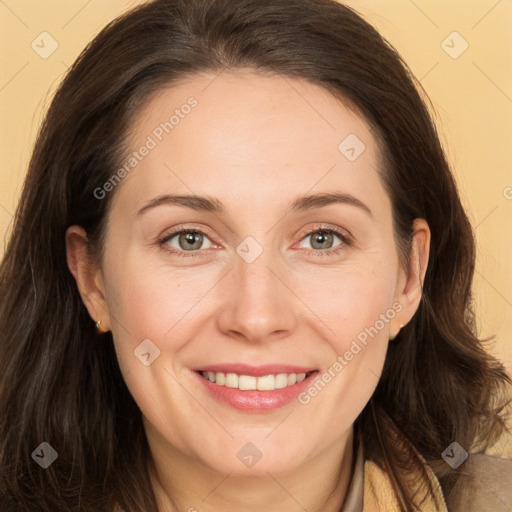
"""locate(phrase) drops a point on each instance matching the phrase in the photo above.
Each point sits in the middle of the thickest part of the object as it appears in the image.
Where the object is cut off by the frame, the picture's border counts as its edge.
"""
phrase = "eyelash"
(346, 241)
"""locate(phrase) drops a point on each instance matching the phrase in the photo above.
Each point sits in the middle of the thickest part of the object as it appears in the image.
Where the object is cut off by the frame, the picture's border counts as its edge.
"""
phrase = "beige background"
(471, 92)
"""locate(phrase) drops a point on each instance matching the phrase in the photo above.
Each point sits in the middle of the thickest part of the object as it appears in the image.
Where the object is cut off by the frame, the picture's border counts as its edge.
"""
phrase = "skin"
(255, 143)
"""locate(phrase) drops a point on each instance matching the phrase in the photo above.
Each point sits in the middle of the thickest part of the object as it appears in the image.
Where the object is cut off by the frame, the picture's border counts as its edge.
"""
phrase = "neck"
(319, 485)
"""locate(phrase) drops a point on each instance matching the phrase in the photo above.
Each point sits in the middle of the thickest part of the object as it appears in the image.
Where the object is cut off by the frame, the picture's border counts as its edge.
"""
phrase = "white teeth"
(266, 383)
(231, 380)
(246, 382)
(281, 380)
(249, 382)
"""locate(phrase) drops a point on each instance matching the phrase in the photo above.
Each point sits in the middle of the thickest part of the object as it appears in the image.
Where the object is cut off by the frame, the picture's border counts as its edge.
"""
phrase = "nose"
(258, 304)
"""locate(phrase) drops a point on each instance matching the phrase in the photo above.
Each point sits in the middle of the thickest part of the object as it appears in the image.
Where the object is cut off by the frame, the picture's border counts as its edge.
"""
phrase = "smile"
(251, 383)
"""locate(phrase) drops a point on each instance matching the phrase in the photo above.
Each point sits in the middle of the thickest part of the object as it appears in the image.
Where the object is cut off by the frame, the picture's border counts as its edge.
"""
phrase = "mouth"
(269, 382)
(254, 389)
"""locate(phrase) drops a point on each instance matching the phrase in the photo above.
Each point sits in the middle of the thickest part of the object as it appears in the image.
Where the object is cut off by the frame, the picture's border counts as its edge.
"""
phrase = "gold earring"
(98, 326)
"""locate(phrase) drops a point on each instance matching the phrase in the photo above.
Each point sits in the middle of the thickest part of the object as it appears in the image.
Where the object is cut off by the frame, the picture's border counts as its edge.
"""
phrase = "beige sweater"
(487, 488)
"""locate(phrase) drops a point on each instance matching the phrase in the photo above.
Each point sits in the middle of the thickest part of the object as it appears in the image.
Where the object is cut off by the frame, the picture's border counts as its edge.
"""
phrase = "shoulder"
(485, 486)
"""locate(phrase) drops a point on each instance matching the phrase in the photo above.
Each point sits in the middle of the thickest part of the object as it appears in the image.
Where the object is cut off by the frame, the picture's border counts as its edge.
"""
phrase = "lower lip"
(254, 400)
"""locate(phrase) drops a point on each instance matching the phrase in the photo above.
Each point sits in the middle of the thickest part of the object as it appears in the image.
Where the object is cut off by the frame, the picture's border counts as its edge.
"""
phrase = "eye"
(323, 240)
(187, 240)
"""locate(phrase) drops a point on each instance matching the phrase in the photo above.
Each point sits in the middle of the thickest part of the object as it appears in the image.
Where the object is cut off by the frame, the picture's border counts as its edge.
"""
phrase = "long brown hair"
(60, 382)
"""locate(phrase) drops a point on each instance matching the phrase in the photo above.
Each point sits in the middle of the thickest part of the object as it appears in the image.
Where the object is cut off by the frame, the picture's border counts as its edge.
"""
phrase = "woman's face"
(257, 284)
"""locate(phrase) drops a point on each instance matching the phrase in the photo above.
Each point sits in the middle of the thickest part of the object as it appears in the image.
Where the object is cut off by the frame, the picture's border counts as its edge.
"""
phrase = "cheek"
(356, 307)
(350, 300)
(157, 303)
(147, 298)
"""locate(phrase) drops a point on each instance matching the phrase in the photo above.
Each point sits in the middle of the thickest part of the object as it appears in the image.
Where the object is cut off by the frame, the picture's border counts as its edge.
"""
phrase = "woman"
(240, 279)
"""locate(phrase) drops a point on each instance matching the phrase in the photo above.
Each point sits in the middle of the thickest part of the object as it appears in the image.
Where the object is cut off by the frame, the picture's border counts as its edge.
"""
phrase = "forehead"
(249, 137)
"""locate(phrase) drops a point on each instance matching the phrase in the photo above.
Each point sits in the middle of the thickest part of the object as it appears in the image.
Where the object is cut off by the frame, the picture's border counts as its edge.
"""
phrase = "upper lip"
(255, 371)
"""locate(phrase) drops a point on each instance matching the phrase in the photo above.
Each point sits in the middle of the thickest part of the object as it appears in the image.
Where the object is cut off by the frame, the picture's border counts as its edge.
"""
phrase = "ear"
(88, 276)
(410, 283)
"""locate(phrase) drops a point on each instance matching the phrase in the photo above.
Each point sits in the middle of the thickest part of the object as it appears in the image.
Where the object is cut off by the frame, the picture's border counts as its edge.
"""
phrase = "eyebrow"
(208, 204)
(324, 199)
